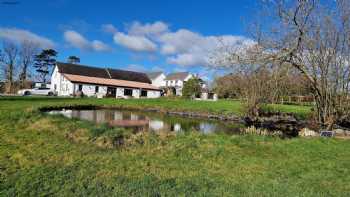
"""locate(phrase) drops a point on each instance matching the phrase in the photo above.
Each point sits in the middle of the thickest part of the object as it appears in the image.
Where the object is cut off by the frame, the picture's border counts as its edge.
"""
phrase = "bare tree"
(8, 61)
(313, 37)
(26, 57)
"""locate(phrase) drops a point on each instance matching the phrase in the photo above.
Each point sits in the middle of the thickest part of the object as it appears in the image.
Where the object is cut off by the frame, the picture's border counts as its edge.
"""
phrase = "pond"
(151, 121)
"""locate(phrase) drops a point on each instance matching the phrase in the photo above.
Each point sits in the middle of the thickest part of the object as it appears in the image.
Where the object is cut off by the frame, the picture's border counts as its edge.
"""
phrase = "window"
(177, 82)
(80, 87)
(127, 92)
(143, 93)
(96, 89)
(55, 87)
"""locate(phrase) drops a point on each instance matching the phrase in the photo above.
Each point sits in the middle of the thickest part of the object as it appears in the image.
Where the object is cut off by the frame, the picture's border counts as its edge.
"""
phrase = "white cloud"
(109, 28)
(19, 35)
(141, 37)
(100, 46)
(135, 43)
(78, 41)
(156, 28)
(168, 49)
(179, 42)
(187, 59)
(187, 48)
(182, 47)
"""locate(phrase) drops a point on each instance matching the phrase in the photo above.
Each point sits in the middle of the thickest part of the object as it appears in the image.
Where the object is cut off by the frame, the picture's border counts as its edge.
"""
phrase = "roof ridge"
(177, 75)
(81, 65)
(104, 72)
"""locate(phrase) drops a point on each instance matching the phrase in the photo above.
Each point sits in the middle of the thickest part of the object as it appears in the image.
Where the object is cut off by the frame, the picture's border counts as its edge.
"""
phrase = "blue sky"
(134, 35)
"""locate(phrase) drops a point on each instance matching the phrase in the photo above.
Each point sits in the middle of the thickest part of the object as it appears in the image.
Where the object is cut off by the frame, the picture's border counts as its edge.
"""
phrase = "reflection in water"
(150, 121)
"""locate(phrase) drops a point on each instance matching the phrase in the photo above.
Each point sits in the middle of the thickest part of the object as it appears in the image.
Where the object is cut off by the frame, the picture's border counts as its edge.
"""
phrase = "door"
(111, 92)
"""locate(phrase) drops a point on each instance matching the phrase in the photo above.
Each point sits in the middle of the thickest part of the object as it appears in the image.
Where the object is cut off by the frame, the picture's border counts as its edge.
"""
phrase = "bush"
(192, 88)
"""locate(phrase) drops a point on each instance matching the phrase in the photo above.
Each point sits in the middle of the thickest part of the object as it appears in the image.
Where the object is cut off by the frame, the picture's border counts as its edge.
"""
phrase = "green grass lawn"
(225, 107)
(43, 155)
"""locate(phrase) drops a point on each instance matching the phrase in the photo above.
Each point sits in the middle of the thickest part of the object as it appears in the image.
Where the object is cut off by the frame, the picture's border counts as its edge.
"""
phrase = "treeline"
(22, 63)
(273, 85)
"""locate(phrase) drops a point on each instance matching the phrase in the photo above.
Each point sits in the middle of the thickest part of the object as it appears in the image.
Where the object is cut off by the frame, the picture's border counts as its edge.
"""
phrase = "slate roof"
(154, 75)
(107, 73)
(177, 76)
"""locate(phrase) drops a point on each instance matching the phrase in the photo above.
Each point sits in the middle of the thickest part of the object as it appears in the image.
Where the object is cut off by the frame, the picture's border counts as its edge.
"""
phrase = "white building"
(72, 79)
(157, 78)
(175, 81)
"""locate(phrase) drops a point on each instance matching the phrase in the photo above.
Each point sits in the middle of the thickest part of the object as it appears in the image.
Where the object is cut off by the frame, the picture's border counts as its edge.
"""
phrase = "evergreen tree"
(73, 59)
(44, 63)
(192, 87)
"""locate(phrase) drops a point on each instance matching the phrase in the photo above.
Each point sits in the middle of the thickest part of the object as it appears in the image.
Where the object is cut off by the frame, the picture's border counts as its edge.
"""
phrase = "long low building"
(72, 79)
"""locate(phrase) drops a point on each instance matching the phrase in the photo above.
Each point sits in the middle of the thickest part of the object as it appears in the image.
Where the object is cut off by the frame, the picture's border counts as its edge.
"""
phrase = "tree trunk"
(23, 77)
(9, 78)
(325, 110)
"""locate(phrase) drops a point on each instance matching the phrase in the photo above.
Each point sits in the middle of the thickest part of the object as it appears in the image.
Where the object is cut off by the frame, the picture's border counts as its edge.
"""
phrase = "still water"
(152, 121)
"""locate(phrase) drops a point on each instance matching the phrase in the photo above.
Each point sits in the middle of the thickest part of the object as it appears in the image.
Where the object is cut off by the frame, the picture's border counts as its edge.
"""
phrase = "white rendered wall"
(63, 86)
(136, 93)
(153, 94)
(177, 83)
(159, 81)
(120, 93)
(89, 89)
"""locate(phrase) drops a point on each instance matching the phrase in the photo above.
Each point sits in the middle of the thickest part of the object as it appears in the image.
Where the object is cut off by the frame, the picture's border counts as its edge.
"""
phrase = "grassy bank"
(51, 155)
(221, 107)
